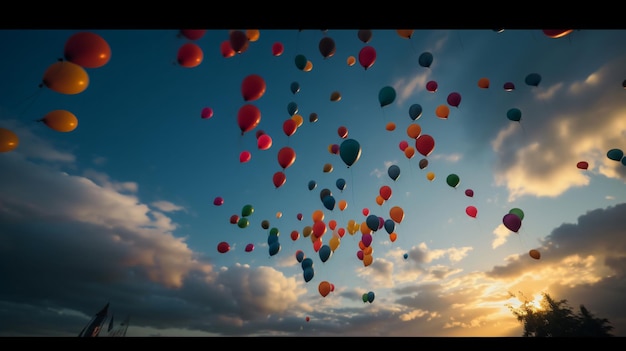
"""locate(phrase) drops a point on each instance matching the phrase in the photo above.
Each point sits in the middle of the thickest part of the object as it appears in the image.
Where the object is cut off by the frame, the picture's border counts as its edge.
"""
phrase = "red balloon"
(403, 145)
(249, 247)
(385, 192)
(279, 179)
(343, 132)
(223, 247)
(227, 50)
(469, 192)
(432, 86)
(425, 144)
(471, 211)
(88, 50)
(248, 117)
(239, 41)
(294, 235)
(286, 157)
(367, 56)
(253, 87)
(556, 33)
(206, 113)
(290, 126)
(218, 201)
(245, 156)
(512, 222)
(234, 219)
(582, 165)
(193, 34)
(190, 55)
(277, 49)
(454, 99)
(264, 142)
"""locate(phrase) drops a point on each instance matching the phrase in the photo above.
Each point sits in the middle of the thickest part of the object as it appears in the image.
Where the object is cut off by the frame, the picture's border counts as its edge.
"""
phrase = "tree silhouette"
(556, 319)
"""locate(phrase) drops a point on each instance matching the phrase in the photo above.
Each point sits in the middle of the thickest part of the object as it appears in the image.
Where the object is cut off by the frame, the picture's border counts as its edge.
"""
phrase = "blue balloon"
(615, 154)
(415, 111)
(372, 222)
(307, 263)
(386, 96)
(341, 184)
(390, 226)
(533, 79)
(300, 256)
(308, 274)
(329, 202)
(295, 87)
(325, 252)
(312, 184)
(406, 256)
(425, 59)
(274, 248)
(394, 172)
(292, 108)
(350, 151)
(370, 296)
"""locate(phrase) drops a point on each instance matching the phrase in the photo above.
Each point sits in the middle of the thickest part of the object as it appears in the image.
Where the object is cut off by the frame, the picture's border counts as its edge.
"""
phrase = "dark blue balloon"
(415, 111)
(312, 184)
(390, 226)
(372, 222)
(272, 239)
(370, 296)
(292, 108)
(394, 172)
(325, 252)
(300, 256)
(307, 263)
(329, 202)
(274, 248)
(406, 256)
(295, 87)
(350, 151)
(341, 184)
(425, 59)
(308, 274)
(615, 154)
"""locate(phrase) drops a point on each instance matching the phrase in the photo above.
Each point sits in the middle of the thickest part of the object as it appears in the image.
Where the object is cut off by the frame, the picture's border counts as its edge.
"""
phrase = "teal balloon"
(350, 151)
(274, 248)
(329, 202)
(308, 274)
(301, 61)
(292, 108)
(307, 262)
(453, 180)
(615, 154)
(272, 238)
(415, 111)
(514, 114)
(325, 252)
(386, 96)
(312, 184)
(425, 59)
(341, 184)
(394, 172)
(370, 296)
(390, 225)
(533, 79)
(295, 87)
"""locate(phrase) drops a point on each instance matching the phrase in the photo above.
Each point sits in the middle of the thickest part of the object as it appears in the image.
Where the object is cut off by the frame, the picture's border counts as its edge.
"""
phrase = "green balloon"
(243, 222)
(274, 231)
(386, 96)
(364, 297)
(247, 210)
(453, 180)
(518, 212)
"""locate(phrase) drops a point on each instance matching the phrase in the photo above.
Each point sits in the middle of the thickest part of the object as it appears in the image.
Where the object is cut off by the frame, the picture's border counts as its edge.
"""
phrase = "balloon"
(370, 297)
(453, 180)
(249, 247)
(192, 34)
(324, 288)
(403, 145)
(425, 144)
(247, 210)
(318, 215)
(508, 86)
(300, 61)
(335, 96)
(190, 55)
(372, 222)
(66, 78)
(274, 248)
(556, 33)
(483, 83)
(582, 165)
(471, 211)
(397, 214)
(405, 33)
(313, 117)
(469, 192)
(306, 262)
(218, 201)
(277, 49)
(243, 222)
(409, 152)
(365, 211)
(327, 47)
(271, 239)
(286, 157)
(390, 225)
(386, 96)
(379, 200)
(300, 256)
(248, 117)
(333, 149)
(327, 168)
(364, 297)
(307, 318)
(342, 131)
(265, 224)
(279, 179)
(245, 156)
(88, 50)
(206, 113)
(512, 222)
(533, 79)
(253, 34)
(350, 151)
(325, 252)
(615, 154)
(8, 140)
(226, 49)
(341, 184)
(454, 99)
(394, 172)
(299, 216)
(312, 184)
(518, 212)
(289, 127)
(423, 163)
(415, 111)
(329, 202)
(308, 67)
(431, 86)
(264, 142)
(430, 176)
(425, 59)
(365, 35)
(534, 254)
(390, 126)
(385, 192)
(292, 108)
(367, 56)
(405, 256)
(442, 111)
(234, 219)
(223, 247)
(514, 114)
(60, 120)
(351, 60)
(295, 87)
(252, 87)
(334, 243)
(342, 205)
(239, 41)
(298, 119)
(414, 130)
(308, 274)
(366, 239)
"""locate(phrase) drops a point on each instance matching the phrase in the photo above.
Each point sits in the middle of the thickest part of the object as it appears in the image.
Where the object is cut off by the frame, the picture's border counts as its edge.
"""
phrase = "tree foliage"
(556, 319)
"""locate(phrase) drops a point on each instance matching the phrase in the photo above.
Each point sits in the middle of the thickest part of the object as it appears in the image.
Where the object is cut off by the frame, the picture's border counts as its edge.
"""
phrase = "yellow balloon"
(253, 34)
(66, 78)
(298, 119)
(351, 227)
(60, 120)
(8, 140)
(430, 176)
(334, 243)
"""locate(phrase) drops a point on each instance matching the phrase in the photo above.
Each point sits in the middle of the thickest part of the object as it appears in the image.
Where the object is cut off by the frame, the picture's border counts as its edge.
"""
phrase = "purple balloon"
(366, 239)
(469, 192)
(512, 222)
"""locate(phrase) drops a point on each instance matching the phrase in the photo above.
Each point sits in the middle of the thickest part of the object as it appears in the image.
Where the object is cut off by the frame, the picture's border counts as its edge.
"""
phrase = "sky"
(122, 209)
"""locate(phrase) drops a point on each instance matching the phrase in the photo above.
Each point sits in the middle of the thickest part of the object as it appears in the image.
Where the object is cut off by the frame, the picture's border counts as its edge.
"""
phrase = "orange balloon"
(393, 236)
(299, 120)
(430, 176)
(397, 214)
(365, 229)
(534, 254)
(60, 120)
(190, 55)
(442, 111)
(414, 130)
(335, 96)
(409, 152)
(351, 60)
(324, 288)
(253, 34)
(328, 168)
(405, 33)
(367, 260)
(483, 83)
(317, 215)
(379, 200)
(8, 140)
(342, 204)
(308, 67)
(252, 87)
(87, 49)
(368, 250)
(390, 126)
(66, 78)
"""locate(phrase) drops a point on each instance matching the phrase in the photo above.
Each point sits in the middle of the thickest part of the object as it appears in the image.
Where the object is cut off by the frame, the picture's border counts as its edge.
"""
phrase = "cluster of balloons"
(368, 297)
(616, 155)
(513, 220)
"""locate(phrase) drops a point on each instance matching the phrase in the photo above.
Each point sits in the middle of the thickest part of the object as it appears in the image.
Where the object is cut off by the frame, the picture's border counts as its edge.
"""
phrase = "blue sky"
(121, 209)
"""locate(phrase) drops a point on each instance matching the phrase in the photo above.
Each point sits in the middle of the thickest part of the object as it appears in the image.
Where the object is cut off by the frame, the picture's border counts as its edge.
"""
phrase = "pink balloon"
(512, 222)
(367, 56)
(403, 145)
(360, 254)
(249, 247)
(218, 201)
